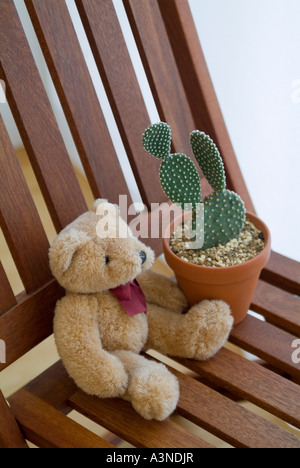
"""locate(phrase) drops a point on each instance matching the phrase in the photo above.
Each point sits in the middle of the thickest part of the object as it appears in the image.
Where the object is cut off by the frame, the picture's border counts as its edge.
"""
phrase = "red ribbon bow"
(131, 297)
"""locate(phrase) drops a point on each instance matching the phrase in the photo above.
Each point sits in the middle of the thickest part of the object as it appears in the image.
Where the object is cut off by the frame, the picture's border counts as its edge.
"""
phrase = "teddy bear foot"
(211, 322)
(154, 392)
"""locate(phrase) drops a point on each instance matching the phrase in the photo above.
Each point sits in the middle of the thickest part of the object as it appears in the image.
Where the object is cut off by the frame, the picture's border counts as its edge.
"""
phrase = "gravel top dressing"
(249, 244)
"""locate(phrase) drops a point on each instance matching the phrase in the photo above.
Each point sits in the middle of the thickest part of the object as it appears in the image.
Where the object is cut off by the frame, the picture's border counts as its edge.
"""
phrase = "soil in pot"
(236, 282)
(249, 244)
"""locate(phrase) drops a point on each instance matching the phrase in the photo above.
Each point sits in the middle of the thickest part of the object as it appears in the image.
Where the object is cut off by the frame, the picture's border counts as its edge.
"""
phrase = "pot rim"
(260, 258)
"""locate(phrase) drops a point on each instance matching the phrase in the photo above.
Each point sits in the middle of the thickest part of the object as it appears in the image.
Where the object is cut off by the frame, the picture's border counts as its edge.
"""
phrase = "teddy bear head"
(97, 252)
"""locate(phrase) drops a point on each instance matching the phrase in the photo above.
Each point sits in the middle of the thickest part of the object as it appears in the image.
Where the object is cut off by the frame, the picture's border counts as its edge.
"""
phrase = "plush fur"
(98, 342)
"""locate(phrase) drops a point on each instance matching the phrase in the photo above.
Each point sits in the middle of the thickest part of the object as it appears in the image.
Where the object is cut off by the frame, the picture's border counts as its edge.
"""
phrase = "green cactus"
(157, 140)
(208, 157)
(224, 211)
(180, 180)
(224, 216)
(178, 174)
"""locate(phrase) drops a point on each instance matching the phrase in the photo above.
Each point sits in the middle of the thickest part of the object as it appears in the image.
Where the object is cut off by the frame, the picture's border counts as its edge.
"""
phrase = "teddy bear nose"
(143, 257)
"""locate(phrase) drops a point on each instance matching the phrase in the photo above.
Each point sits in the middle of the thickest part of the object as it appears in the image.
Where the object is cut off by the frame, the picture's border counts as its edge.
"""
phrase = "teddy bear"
(115, 307)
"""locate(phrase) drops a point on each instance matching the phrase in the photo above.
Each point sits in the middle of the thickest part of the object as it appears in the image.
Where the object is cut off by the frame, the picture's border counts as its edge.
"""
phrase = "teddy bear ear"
(63, 249)
(102, 207)
(98, 202)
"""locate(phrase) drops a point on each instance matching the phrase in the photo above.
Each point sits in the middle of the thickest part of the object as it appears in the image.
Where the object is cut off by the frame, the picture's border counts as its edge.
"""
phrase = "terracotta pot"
(234, 285)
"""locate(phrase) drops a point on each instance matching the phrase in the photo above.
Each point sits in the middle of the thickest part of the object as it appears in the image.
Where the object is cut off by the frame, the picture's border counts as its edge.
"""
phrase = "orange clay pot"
(234, 285)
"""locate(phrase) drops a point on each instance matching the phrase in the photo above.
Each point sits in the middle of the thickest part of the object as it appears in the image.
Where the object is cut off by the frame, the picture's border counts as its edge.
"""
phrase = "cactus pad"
(157, 140)
(224, 216)
(209, 159)
(180, 180)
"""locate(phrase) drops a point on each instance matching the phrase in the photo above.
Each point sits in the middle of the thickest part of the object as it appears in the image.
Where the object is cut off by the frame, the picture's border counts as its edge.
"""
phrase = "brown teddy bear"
(104, 321)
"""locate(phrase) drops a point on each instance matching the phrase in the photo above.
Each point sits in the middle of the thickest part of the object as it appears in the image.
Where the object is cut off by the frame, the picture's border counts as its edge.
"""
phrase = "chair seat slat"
(267, 342)
(54, 386)
(20, 221)
(112, 58)
(36, 122)
(10, 433)
(7, 298)
(48, 428)
(74, 86)
(250, 381)
(227, 419)
(277, 306)
(119, 417)
(283, 272)
(198, 403)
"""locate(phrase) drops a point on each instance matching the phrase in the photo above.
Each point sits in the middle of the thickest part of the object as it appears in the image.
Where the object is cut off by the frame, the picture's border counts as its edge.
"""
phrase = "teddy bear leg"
(198, 334)
(152, 389)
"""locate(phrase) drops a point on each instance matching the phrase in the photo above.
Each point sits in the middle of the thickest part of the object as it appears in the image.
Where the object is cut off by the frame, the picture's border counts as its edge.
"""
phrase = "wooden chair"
(174, 63)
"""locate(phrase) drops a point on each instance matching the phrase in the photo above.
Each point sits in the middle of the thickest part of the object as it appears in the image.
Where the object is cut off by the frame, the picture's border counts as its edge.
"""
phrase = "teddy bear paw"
(154, 392)
(210, 324)
(112, 382)
(116, 386)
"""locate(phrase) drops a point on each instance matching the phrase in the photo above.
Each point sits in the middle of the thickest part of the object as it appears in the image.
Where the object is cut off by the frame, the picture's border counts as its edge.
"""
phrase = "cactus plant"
(224, 210)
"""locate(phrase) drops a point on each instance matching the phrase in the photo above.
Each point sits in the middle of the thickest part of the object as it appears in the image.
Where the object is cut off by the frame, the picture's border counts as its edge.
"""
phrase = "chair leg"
(10, 433)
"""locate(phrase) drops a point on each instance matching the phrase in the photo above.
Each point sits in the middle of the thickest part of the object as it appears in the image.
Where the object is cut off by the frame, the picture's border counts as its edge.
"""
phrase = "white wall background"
(252, 51)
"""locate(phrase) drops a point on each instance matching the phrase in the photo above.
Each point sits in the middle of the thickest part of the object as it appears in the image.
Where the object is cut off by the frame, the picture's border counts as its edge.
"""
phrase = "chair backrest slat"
(36, 122)
(54, 27)
(161, 69)
(119, 79)
(7, 298)
(199, 89)
(29, 322)
(20, 221)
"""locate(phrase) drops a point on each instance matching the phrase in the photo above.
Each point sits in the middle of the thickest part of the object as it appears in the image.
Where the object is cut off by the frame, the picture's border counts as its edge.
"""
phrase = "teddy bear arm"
(77, 337)
(162, 291)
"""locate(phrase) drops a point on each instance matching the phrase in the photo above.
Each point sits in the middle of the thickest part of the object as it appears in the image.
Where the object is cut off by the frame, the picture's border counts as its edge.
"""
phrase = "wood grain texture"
(200, 404)
(29, 322)
(113, 61)
(160, 66)
(267, 342)
(48, 428)
(163, 76)
(75, 89)
(36, 122)
(283, 272)
(119, 417)
(199, 88)
(10, 433)
(278, 307)
(28, 319)
(20, 221)
(227, 419)
(250, 381)
(7, 297)
(54, 386)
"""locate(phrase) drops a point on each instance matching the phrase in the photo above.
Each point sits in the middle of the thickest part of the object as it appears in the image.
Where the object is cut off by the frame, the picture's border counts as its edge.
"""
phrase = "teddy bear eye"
(107, 260)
